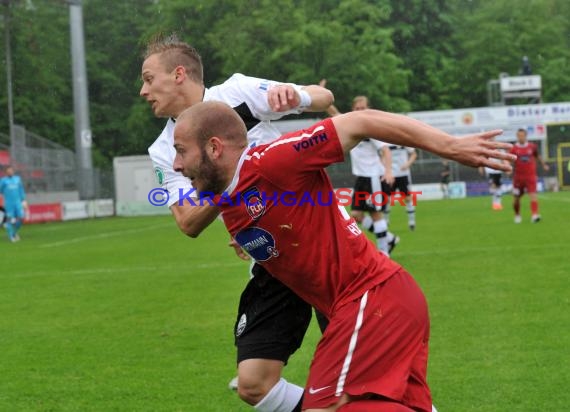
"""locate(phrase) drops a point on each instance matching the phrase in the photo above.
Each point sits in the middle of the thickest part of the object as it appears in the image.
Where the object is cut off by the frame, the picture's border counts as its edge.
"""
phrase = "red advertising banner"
(46, 212)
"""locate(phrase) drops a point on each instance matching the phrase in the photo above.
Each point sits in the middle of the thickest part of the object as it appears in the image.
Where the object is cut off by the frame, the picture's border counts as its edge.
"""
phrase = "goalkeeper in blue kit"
(15, 204)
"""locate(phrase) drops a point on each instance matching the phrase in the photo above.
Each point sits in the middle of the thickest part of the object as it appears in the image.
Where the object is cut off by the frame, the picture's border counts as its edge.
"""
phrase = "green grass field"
(127, 314)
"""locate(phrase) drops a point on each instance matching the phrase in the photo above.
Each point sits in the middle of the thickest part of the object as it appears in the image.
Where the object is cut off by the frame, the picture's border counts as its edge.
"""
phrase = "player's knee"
(251, 391)
(252, 388)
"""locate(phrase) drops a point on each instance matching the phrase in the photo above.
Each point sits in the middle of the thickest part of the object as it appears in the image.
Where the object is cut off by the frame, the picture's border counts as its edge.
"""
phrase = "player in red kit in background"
(524, 177)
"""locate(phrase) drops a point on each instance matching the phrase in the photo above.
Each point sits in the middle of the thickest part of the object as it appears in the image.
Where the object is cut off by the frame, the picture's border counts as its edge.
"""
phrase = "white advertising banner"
(101, 208)
(74, 210)
(532, 117)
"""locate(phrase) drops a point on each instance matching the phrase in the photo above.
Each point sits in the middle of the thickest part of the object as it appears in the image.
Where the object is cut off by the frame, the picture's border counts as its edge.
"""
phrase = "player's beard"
(213, 180)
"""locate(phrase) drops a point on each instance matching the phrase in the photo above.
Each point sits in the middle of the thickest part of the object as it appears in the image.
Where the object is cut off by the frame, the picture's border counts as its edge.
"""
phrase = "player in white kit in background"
(495, 184)
(402, 160)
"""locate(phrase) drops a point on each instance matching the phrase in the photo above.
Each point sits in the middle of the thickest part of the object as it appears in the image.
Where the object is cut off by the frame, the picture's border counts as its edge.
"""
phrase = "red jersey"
(280, 207)
(525, 165)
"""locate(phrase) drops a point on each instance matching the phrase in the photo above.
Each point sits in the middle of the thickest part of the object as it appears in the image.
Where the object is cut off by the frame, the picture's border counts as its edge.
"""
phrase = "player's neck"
(191, 95)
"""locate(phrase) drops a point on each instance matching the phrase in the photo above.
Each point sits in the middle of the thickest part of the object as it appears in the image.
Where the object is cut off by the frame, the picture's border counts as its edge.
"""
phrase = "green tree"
(297, 41)
(494, 36)
(41, 70)
(112, 42)
(422, 39)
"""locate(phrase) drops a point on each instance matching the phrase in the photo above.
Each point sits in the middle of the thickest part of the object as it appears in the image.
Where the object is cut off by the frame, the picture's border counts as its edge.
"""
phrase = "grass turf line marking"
(102, 236)
(95, 271)
(481, 249)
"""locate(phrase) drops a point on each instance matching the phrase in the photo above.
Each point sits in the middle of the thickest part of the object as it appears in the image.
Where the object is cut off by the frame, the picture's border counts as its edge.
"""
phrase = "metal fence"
(46, 166)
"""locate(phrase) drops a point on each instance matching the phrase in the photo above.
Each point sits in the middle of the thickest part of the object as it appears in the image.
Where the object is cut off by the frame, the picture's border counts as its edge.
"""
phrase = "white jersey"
(400, 156)
(491, 171)
(365, 158)
(248, 97)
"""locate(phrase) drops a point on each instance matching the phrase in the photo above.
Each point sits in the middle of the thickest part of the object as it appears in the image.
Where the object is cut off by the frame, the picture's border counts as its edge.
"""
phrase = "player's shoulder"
(235, 81)
(162, 150)
(235, 84)
(166, 137)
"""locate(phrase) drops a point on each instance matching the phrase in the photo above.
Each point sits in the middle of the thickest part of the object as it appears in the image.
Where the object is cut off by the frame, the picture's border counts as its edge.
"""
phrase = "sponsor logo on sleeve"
(310, 142)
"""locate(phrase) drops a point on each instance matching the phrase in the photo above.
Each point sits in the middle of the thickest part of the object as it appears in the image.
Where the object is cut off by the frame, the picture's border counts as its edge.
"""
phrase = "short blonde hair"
(174, 52)
(359, 99)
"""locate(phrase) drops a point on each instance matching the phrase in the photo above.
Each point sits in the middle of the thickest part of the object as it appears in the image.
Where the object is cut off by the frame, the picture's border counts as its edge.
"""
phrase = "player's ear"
(180, 74)
(214, 147)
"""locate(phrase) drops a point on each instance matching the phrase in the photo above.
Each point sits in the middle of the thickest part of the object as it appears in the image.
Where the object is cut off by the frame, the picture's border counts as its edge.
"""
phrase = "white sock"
(381, 232)
(283, 397)
(367, 222)
(433, 409)
(497, 195)
(411, 209)
(386, 213)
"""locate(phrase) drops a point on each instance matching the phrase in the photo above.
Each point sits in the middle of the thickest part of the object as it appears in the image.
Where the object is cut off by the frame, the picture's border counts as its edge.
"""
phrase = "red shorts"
(376, 345)
(523, 184)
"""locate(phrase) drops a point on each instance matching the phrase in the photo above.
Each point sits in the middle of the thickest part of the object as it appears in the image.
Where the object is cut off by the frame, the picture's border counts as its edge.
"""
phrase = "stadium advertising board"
(46, 212)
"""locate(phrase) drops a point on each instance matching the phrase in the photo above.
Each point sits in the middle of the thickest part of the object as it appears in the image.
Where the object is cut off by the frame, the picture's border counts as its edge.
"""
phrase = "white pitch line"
(102, 236)
(450, 251)
(556, 199)
(173, 268)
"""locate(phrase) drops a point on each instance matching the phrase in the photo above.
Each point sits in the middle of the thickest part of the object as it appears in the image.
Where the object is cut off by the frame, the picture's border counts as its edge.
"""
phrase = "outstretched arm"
(473, 150)
(285, 97)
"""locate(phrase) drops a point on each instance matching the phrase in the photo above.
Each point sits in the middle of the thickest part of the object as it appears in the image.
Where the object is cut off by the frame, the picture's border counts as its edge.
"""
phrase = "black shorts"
(271, 321)
(495, 179)
(401, 184)
(373, 187)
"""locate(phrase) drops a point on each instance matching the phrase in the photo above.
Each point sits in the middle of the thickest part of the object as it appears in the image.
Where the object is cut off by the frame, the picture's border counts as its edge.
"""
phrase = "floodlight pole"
(81, 102)
(9, 77)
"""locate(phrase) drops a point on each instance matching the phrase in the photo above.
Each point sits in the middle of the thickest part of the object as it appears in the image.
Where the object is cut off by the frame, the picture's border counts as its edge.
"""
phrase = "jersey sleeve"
(378, 144)
(253, 91)
(162, 156)
(292, 159)
(173, 182)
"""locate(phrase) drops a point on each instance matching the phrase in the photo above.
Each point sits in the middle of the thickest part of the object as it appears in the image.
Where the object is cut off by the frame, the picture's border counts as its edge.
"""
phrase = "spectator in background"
(445, 175)
(15, 204)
